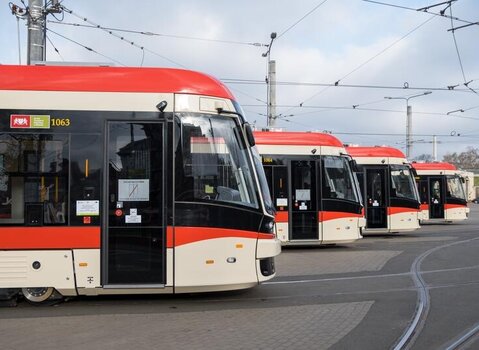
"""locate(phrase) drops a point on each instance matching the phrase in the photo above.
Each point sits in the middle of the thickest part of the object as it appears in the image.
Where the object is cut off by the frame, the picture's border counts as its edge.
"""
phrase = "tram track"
(412, 332)
(463, 339)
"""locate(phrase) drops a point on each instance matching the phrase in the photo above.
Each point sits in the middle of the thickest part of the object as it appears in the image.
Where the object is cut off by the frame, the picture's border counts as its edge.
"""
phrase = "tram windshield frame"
(402, 183)
(339, 182)
(455, 187)
(213, 164)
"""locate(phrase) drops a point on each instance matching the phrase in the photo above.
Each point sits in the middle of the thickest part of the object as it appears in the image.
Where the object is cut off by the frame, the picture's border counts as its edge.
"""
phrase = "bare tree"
(423, 158)
(468, 159)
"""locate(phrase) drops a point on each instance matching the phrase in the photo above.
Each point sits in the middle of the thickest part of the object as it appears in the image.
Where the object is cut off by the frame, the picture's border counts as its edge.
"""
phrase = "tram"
(128, 181)
(441, 188)
(314, 191)
(390, 195)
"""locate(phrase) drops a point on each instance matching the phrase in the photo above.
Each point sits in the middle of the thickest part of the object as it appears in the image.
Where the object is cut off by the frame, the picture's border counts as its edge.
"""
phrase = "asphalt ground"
(357, 296)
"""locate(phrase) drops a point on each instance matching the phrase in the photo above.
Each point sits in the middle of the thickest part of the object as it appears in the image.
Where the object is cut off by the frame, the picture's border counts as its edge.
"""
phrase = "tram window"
(281, 187)
(211, 162)
(455, 187)
(338, 182)
(436, 189)
(402, 183)
(33, 179)
(423, 193)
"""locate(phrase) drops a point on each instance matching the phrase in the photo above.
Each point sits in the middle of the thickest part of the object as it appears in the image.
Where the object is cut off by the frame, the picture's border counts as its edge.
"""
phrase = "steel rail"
(418, 321)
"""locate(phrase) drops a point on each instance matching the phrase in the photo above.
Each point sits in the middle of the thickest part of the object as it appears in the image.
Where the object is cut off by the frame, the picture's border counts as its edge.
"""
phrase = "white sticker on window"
(282, 202)
(134, 190)
(88, 208)
(133, 219)
(303, 195)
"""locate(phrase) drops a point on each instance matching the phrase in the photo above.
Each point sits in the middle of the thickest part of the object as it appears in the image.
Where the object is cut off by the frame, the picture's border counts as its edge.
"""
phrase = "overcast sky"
(375, 48)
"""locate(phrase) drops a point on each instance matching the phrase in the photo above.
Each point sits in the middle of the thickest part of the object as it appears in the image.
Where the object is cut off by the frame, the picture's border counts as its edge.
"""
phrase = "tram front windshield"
(339, 181)
(212, 163)
(402, 183)
(268, 202)
(455, 187)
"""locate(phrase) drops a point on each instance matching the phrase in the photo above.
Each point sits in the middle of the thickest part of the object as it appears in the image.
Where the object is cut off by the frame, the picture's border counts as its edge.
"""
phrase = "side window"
(33, 179)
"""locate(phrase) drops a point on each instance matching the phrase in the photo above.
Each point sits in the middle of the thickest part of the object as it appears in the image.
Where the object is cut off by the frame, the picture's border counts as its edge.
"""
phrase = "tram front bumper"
(266, 250)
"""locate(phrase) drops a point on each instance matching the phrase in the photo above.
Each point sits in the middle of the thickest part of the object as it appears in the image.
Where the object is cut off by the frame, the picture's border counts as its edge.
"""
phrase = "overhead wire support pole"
(36, 32)
(271, 85)
(36, 14)
(408, 119)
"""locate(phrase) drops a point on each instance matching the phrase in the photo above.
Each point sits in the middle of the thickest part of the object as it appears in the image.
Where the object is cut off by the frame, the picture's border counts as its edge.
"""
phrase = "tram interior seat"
(327, 193)
(227, 194)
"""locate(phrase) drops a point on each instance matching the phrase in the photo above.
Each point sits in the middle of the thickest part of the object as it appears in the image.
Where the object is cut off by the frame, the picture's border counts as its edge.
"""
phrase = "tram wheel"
(37, 295)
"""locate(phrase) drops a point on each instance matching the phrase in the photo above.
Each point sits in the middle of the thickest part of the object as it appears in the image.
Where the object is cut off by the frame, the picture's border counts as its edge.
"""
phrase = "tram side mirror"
(249, 134)
(414, 172)
(463, 180)
(161, 106)
(354, 165)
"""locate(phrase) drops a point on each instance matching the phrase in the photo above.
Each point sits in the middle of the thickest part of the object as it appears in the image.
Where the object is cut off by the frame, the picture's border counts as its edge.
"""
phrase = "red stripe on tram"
(180, 235)
(50, 237)
(401, 210)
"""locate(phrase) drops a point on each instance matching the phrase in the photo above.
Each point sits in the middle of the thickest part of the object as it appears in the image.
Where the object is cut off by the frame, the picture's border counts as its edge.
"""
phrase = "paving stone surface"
(293, 327)
(318, 261)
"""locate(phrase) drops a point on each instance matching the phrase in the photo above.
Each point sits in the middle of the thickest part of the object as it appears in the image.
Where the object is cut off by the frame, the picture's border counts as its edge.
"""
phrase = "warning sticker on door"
(133, 190)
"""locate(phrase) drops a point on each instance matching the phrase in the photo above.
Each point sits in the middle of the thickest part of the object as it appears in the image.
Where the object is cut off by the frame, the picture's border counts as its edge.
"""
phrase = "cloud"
(323, 47)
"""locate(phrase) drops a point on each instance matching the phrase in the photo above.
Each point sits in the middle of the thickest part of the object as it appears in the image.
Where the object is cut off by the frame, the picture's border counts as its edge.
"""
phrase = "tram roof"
(376, 151)
(434, 166)
(110, 79)
(290, 138)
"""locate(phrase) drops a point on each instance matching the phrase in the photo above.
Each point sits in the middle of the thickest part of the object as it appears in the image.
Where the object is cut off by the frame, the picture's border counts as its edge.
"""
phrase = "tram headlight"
(268, 226)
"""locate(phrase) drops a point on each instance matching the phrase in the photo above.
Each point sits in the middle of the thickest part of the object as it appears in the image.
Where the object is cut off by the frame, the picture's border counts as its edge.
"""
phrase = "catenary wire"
(361, 65)
(147, 33)
(54, 47)
(86, 47)
(419, 10)
(301, 19)
(466, 83)
(132, 43)
(364, 86)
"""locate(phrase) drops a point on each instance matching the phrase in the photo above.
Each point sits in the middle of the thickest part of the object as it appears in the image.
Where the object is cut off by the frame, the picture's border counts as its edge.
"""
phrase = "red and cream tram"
(314, 191)
(441, 188)
(128, 180)
(390, 196)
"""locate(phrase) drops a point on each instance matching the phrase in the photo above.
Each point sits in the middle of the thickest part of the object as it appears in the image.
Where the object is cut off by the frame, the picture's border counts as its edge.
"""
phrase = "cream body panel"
(456, 214)
(56, 269)
(81, 101)
(408, 221)
(87, 268)
(380, 160)
(204, 263)
(300, 150)
(282, 231)
(343, 230)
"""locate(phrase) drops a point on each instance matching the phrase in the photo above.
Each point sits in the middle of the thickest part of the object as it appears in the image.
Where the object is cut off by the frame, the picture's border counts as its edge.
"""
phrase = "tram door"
(304, 208)
(134, 234)
(376, 200)
(436, 198)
